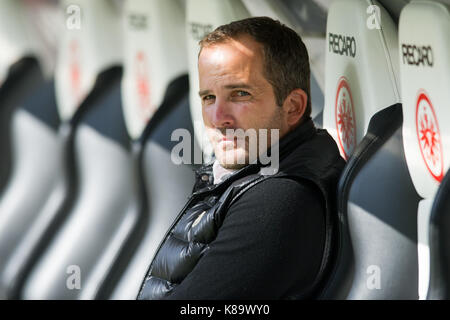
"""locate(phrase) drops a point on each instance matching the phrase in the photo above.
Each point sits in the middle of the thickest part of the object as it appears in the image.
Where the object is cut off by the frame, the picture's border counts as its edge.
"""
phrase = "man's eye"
(208, 98)
(242, 93)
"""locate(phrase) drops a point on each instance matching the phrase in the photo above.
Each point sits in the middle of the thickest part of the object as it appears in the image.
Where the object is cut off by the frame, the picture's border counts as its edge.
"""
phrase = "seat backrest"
(149, 68)
(166, 184)
(203, 16)
(104, 197)
(377, 205)
(424, 47)
(376, 256)
(20, 73)
(28, 119)
(36, 153)
(361, 69)
(439, 231)
(14, 35)
(24, 76)
(91, 227)
(79, 61)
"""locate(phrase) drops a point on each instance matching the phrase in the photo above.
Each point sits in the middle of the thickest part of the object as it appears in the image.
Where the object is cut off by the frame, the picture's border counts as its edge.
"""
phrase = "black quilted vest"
(306, 153)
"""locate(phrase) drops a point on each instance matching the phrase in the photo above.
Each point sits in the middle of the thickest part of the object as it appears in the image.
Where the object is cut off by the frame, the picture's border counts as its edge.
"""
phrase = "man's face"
(236, 95)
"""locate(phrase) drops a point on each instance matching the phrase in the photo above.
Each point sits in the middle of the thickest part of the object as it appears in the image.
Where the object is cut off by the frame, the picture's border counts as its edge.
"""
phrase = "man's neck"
(220, 173)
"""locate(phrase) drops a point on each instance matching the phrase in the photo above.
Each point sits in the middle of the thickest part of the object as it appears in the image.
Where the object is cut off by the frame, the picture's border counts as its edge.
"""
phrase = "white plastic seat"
(376, 243)
(361, 75)
(424, 47)
(28, 130)
(20, 73)
(155, 102)
(96, 166)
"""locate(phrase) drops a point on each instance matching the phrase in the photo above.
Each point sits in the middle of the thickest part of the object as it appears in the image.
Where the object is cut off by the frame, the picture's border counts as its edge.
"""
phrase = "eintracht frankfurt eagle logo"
(345, 118)
(142, 84)
(75, 71)
(429, 137)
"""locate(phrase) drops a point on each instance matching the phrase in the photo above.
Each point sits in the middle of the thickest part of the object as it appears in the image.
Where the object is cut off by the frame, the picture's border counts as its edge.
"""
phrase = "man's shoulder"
(284, 186)
(279, 192)
(277, 205)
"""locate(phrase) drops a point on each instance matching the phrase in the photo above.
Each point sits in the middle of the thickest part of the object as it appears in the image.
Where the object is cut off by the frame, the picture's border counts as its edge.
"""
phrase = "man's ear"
(294, 106)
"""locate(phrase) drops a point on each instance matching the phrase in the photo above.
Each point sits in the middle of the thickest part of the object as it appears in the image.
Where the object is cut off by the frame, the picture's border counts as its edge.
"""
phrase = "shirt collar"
(220, 173)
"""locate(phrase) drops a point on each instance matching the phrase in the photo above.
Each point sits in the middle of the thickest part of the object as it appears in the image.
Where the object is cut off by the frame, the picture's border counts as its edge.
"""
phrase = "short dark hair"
(286, 61)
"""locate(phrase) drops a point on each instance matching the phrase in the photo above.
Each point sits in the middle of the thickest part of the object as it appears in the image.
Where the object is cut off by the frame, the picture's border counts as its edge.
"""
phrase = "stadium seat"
(28, 122)
(424, 47)
(36, 151)
(203, 16)
(377, 228)
(439, 285)
(24, 76)
(376, 239)
(166, 184)
(20, 74)
(84, 237)
(361, 69)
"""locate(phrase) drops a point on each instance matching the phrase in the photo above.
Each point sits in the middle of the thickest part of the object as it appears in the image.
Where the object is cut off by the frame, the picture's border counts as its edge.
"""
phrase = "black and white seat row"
(88, 185)
(387, 190)
(92, 185)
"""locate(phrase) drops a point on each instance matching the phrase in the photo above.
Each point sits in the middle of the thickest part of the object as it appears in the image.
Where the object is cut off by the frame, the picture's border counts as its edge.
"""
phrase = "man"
(244, 234)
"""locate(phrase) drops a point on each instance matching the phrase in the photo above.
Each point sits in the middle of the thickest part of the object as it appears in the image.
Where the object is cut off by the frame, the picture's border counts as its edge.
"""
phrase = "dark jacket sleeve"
(269, 244)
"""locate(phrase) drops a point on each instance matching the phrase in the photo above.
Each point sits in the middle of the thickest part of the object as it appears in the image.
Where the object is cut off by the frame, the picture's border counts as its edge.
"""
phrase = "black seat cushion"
(439, 237)
(377, 207)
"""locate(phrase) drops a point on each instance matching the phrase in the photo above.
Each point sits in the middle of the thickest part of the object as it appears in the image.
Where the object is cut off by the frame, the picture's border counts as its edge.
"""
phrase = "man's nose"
(221, 116)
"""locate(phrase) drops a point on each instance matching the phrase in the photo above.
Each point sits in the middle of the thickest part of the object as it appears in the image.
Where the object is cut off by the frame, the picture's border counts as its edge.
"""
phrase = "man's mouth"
(228, 143)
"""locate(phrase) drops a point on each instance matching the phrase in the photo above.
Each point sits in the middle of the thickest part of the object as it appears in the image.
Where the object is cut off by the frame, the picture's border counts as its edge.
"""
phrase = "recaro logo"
(199, 30)
(417, 55)
(138, 21)
(343, 45)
